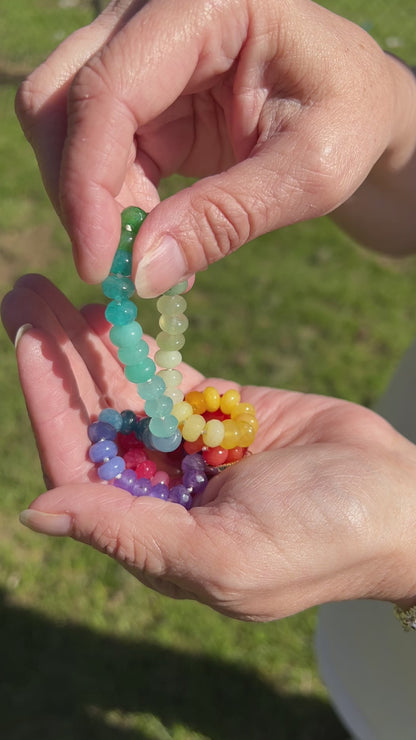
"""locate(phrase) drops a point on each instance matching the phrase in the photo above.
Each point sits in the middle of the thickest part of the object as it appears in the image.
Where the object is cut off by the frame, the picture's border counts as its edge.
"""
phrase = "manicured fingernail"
(59, 525)
(22, 330)
(160, 268)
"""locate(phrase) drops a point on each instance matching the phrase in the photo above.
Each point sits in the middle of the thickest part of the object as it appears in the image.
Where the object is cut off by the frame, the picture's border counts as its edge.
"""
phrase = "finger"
(41, 98)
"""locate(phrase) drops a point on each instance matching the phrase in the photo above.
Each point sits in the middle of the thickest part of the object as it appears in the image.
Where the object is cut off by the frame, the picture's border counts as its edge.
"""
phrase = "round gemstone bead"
(164, 426)
(109, 470)
(167, 444)
(246, 433)
(195, 480)
(168, 359)
(182, 411)
(193, 428)
(160, 477)
(126, 480)
(216, 456)
(175, 394)
(228, 400)
(159, 491)
(141, 372)
(121, 313)
(213, 433)
(118, 288)
(102, 450)
(152, 388)
(146, 469)
(231, 434)
(170, 341)
(247, 419)
(171, 305)
(180, 495)
(192, 462)
(178, 288)
(121, 264)
(111, 416)
(133, 354)
(212, 398)
(142, 487)
(127, 335)
(242, 408)
(161, 406)
(101, 430)
(171, 378)
(132, 218)
(197, 401)
(174, 324)
(235, 454)
(129, 421)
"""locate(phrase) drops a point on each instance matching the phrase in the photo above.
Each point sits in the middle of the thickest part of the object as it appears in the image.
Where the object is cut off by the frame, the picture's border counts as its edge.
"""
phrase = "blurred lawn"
(86, 651)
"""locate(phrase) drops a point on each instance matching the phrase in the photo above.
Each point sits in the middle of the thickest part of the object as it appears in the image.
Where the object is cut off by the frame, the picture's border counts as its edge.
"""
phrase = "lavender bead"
(180, 495)
(102, 450)
(193, 462)
(142, 487)
(101, 430)
(195, 481)
(126, 480)
(160, 490)
(110, 469)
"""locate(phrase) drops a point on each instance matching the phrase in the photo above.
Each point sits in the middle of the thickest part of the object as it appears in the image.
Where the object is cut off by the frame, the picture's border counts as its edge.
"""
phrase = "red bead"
(215, 456)
(215, 415)
(236, 454)
(146, 469)
(192, 447)
(134, 457)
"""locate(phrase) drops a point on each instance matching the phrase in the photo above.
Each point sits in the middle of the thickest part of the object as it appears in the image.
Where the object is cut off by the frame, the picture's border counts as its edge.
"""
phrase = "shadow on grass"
(59, 680)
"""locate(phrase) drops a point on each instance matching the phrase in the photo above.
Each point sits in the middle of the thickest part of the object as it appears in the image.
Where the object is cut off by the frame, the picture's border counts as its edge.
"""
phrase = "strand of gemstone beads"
(126, 334)
(171, 339)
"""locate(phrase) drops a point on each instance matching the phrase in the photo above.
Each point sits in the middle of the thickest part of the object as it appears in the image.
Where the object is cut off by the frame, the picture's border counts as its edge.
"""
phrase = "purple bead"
(101, 430)
(110, 469)
(195, 480)
(180, 495)
(103, 449)
(193, 462)
(126, 480)
(160, 490)
(142, 487)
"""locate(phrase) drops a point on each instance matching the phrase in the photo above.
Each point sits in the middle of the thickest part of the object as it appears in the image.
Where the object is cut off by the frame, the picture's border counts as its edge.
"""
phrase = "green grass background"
(86, 652)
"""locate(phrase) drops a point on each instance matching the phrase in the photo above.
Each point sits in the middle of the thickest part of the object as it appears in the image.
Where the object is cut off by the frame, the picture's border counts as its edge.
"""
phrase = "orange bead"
(197, 401)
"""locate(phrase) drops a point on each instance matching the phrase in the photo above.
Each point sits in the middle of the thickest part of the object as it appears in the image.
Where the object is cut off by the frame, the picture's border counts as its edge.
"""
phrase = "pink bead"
(161, 477)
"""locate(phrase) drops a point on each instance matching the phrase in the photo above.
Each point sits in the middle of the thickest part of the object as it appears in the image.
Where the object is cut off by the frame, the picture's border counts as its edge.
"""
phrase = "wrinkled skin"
(322, 511)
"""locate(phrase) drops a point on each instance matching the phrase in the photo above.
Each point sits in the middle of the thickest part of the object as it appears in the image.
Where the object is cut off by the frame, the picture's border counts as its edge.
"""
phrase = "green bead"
(170, 341)
(178, 288)
(127, 335)
(141, 372)
(120, 313)
(126, 241)
(171, 304)
(174, 324)
(134, 354)
(117, 287)
(121, 263)
(132, 218)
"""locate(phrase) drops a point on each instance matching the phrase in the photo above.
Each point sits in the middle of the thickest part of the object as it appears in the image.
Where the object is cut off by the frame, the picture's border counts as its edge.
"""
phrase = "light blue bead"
(161, 406)
(110, 469)
(117, 287)
(121, 313)
(127, 335)
(153, 388)
(141, 372)
(121, 264)
(167, 444)
(134, 354)
(163, 427)
(111, 416)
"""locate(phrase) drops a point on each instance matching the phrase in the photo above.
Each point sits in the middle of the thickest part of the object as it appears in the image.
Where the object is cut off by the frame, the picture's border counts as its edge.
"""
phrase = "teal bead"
(135, 354)
(178, 288)
(127, 335)
(120, 313)
(161, 406)
(174, 324)
(163, 427)
(141, 372)
(111, 416)
(121, 264)
(166, 444)
(117, 287)
(153, 388)
(170, 341)
(132, 218)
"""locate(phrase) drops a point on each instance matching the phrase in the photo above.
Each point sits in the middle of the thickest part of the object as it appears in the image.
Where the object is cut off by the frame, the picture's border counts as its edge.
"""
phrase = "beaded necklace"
(194, 436)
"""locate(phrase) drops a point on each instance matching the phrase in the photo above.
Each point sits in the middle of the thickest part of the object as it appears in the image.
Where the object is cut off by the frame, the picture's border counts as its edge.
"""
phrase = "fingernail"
(22, 330)
(160, 268)
(59, 525)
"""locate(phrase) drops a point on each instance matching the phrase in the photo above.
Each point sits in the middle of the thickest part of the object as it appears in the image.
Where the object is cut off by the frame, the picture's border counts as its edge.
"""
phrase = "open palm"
(313, 516)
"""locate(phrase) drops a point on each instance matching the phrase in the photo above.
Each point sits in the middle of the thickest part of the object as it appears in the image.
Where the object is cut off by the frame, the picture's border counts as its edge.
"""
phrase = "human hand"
(323, 510)
(281, 108)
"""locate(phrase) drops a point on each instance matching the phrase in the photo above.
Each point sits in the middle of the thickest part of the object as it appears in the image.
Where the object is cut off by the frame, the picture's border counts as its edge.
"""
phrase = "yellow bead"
(231, 434)
(182, 411)
(246, 434)
(242, 408)
(248, 419)
(229, 399)
(213, 434)
(197, 401)
(212, 398)
(193, 428)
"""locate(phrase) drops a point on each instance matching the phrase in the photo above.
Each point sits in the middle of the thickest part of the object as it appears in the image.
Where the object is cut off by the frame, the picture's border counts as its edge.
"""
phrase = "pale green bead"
(172, 378)
(178, 288)
(168, 359)
(170, 341)
(182, 411)
(174, 324)
(175, 394)
(171, 304)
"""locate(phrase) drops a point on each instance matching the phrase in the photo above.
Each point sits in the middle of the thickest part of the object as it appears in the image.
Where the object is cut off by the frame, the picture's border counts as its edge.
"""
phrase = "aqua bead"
(166, 444)
(141, 372)
(174, 324)
(111, 416)
(117, 287)
(121, 264)
(170, 341)
(132, 218)
(127, 335)
(121, 313)
(171, 304)
(178, 288)
(161, 406)
(152, 388)
(133, 355)
(163, 427)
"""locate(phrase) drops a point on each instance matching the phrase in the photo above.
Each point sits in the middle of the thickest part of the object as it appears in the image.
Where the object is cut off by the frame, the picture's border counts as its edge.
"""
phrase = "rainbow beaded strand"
(201, 431)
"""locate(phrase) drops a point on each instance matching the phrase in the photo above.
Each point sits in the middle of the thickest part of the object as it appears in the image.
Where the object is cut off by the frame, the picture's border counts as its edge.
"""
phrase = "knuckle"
(222, 224)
